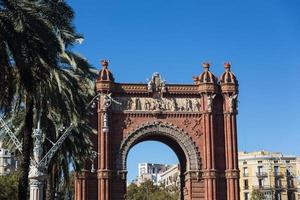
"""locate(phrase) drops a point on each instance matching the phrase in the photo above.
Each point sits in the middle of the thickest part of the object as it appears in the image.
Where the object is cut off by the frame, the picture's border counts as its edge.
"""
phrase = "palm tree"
(40, 75)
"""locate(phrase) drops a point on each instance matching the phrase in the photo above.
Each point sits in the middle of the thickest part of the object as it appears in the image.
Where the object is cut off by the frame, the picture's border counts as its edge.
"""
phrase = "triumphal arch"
(197, 121)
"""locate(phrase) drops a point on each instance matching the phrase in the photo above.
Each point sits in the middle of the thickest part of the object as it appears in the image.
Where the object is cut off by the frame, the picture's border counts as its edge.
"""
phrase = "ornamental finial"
(206, 66)
(227, 66)
(104, 63)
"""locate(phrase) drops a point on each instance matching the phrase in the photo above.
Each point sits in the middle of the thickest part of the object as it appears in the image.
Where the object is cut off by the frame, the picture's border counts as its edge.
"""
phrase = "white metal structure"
(38, 164)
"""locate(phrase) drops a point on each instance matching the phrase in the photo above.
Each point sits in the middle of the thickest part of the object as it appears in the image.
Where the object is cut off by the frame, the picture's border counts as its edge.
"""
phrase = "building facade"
(273, 174)
(171, 177)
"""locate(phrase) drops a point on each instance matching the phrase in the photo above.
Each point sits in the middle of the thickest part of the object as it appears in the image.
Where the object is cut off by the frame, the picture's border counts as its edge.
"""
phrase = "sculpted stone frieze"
(160, 104)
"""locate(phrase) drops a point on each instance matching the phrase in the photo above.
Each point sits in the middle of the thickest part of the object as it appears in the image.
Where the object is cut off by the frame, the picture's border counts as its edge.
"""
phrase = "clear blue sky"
(260, 38)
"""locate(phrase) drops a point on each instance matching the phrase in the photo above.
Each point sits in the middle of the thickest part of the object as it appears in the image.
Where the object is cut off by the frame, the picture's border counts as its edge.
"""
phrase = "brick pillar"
(229, 87)
(104, 172)
(232, 172)
(80, 185)
(207, 86)
(104, 85)
(209, 168)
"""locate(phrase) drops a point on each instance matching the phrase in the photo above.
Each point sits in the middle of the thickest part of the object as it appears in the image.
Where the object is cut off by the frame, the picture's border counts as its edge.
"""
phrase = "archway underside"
(179, 141)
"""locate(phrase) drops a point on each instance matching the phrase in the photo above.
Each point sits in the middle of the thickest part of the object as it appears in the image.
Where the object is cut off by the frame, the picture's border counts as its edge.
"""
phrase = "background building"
(151, 171)
(7, 161)
(298, 177)
(171, 177)
(272, 173)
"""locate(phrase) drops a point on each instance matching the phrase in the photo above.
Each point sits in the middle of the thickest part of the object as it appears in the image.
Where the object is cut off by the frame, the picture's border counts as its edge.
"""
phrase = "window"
(259, 161)
(260, 183)
(277, 195)
(290, 183)
(246, 184)
(276, 171)
(246, 195)
(245, 171)
(245, 163)
(260, 171)
(277, 182)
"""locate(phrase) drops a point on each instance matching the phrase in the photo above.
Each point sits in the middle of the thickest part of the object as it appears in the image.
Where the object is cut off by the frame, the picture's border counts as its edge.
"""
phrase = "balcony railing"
(261, 174)
(245, 174)
(291, 187)
(262, 187)
(278, 187)
(278, 174)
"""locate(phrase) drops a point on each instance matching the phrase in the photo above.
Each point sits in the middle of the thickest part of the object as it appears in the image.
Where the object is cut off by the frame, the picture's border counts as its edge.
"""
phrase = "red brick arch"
(197, 121)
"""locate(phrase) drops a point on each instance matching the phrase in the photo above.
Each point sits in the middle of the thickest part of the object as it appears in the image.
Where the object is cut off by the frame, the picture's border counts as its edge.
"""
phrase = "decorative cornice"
(104, 86)
(135, 88)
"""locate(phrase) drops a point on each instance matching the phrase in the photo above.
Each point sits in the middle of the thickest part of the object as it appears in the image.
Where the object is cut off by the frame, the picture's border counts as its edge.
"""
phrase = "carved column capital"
(193, 174)
(210, 173)
(232, 173)
(104, 174)
(122, 174)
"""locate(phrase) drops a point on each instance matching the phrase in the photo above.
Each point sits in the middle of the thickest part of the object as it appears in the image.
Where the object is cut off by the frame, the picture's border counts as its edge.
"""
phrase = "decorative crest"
(156, 84)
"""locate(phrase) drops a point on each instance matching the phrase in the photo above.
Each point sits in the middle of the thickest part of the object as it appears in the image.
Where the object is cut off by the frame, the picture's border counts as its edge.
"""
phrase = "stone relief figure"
(189, 105)
(150, 85)
(173, 105)
(195, 105)
(147, 104)
(128, 104)
(133, 104)
(163, 104)
(232, 102)
(157, 105)
(210, 99)
(138, 104)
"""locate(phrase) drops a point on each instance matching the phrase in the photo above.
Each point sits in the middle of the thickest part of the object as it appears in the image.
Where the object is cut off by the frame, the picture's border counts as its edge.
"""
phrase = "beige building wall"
(7, 161)
(298, 176)
(274, 174)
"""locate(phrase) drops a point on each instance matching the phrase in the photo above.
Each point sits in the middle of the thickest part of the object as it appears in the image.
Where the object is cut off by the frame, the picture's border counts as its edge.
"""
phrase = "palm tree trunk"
(26, 148)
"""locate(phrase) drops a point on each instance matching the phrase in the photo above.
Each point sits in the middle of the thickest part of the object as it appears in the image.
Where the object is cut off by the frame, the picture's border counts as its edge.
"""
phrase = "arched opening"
(141, 152)
(179, 141)
(156, 162)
